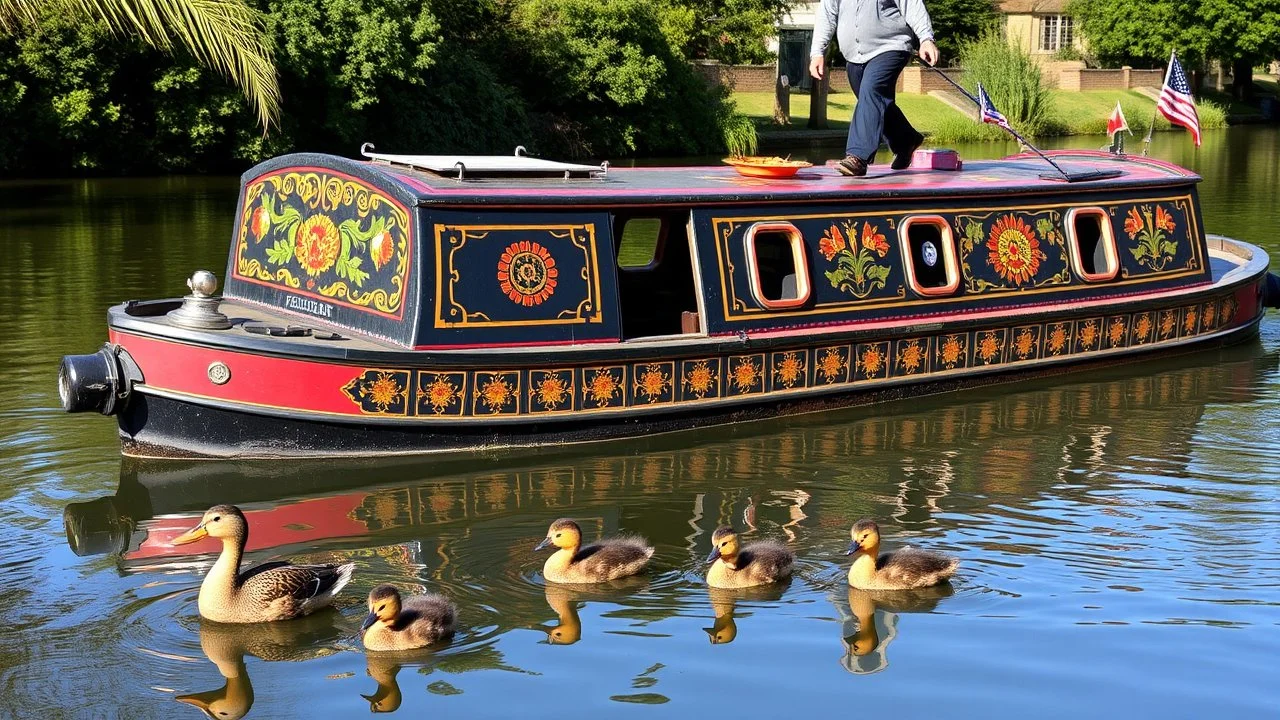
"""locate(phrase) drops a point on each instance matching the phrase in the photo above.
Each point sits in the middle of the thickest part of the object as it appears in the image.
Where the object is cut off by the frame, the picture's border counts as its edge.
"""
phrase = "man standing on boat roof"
(876, 38)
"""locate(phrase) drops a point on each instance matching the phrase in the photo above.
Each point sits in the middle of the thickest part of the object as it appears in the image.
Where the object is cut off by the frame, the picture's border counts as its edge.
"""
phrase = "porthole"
(929, 255)
(777, 267)
(1093, 244)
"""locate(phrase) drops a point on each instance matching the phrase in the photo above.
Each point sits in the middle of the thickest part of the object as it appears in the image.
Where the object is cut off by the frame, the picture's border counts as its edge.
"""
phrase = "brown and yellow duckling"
(904, 569)
(609, 559)
(396, 623)
(272, 591)
(735, 566)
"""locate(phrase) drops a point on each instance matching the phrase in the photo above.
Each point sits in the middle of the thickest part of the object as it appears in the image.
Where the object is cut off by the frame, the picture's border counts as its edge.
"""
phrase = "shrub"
(1010, 77)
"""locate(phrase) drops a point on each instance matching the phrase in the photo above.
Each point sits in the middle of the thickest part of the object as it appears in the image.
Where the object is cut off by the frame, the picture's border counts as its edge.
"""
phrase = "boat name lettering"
(315, 307)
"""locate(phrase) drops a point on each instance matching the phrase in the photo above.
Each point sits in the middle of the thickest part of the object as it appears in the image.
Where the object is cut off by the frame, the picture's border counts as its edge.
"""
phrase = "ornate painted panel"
(1012, 250)
(856, 260)
(580, 390)
(495, 275)
(327, 236)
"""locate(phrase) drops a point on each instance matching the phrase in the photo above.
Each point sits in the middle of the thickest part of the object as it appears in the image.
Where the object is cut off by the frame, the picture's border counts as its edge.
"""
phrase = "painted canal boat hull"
(441, 316)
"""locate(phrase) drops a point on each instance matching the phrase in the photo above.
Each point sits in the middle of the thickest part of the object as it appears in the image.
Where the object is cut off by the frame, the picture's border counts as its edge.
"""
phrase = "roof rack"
(516, 165)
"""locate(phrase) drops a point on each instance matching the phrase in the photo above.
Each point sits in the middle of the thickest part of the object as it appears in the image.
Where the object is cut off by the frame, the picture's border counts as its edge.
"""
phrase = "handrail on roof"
(518, 164)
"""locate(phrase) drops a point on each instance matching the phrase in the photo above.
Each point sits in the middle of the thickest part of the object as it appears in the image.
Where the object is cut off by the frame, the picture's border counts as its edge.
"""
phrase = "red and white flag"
(1116, 122)
(1175, 101)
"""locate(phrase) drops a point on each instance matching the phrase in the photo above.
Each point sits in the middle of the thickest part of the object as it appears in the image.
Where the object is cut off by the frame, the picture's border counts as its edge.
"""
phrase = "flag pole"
(1146, 142)
(1007, 129)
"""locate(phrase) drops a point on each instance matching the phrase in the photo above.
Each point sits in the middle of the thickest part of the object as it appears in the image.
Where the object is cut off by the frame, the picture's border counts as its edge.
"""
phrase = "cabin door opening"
(656, 291)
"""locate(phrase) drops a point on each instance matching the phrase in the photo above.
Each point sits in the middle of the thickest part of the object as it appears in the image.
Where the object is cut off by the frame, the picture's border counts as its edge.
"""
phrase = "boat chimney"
(200, 309)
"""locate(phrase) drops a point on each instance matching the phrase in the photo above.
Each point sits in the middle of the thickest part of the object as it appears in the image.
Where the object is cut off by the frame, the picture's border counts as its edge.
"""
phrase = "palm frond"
(225, 35)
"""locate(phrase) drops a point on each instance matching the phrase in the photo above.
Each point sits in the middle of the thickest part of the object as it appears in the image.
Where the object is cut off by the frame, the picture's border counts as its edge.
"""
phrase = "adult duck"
(268, 592)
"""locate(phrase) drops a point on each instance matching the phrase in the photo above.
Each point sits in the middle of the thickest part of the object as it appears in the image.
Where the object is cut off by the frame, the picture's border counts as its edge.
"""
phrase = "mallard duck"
(272, 591)
(903, 569)
(760, 563)
(406, 624)
(606, 560)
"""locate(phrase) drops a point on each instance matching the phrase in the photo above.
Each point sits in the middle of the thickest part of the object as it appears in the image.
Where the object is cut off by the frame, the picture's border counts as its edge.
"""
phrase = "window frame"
(799, 259)
(660, 242)
(950, 261)
(1108, 236)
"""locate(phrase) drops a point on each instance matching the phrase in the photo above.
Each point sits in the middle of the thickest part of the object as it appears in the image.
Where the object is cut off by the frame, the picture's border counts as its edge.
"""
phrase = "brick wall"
(919, 81)
(1123, 79)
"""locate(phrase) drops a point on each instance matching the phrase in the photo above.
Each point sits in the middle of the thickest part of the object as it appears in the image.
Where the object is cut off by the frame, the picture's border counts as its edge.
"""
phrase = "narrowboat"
(405, 304)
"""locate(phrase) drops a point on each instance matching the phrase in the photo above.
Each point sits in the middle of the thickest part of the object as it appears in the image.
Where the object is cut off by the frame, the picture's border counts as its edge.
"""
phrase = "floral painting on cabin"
(1153, 230)
(327, 236)
(1009, 250)
(859, 257)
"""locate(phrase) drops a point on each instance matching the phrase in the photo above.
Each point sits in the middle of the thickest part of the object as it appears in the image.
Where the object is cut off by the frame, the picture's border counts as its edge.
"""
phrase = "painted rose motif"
(1133, 222)
(1149, 226)
(1014, 250)
(259, 223)
(831, 243)
(857, 270)
(873, 241)
(381, 248)
(527, 273)
(316, 244)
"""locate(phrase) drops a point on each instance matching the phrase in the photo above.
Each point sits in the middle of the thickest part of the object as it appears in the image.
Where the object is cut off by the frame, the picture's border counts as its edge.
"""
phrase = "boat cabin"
(440, 252)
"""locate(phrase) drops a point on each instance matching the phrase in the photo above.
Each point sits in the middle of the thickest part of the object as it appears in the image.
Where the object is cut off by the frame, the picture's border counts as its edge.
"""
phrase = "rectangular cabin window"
(777, 266)
(656, 291)
(1093, 244)
(930, 255)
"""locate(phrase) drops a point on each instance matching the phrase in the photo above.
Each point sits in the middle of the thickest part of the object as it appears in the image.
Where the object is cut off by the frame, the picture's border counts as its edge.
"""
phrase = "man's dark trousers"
(876, 113)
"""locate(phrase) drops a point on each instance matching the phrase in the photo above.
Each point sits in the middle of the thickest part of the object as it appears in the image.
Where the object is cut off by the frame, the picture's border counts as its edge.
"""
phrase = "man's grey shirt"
(866, 28)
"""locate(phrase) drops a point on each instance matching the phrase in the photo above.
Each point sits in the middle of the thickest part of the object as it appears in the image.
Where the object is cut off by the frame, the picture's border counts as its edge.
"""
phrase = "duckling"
(272, 591)
(414, 622)
(606, 560)
(760, 563)
(904, 569)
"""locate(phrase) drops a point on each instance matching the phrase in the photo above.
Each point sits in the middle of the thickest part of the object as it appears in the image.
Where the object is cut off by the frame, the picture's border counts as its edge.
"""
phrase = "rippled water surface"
(1119, 531)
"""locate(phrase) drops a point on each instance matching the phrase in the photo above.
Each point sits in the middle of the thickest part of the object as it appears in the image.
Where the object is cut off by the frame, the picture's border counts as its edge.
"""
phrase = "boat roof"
(520, 181)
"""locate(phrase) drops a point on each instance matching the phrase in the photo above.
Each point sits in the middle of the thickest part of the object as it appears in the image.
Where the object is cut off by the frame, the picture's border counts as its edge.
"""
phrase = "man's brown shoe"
(852, 166)
(902, 160)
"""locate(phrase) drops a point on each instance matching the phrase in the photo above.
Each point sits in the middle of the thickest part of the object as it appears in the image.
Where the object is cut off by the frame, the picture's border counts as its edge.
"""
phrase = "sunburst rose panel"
(603, 387)
(380, 392)
(495, 393)
(746, 374)
(441, 393)
(550, 391)
(653, 383)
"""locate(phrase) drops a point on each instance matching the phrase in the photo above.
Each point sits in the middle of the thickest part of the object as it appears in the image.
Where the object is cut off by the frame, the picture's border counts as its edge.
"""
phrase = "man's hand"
(816, 66)
(929, 52)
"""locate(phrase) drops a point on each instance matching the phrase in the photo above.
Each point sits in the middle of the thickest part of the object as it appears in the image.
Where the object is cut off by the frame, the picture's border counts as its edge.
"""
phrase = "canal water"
(1119, 531)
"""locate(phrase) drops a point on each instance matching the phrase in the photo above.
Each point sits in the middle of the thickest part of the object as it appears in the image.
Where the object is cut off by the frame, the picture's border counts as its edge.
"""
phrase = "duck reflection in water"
(565, 600)
(875, 617)
(383, 670)
(724, 603)
(226, 645)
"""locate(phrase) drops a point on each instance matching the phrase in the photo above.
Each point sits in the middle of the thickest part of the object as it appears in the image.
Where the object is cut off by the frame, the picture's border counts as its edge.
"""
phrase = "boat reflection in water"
(875, 622)
(226, 646)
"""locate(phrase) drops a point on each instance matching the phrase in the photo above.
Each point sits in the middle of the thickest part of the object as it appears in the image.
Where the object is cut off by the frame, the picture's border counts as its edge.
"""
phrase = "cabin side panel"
(861, 265)
(325, 243)
(503, 278)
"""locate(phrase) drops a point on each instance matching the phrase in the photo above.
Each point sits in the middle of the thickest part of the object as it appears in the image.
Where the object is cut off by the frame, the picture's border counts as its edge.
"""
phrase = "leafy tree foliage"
(731, 31)
(1142, 32)
(562, 77)
(957, 21)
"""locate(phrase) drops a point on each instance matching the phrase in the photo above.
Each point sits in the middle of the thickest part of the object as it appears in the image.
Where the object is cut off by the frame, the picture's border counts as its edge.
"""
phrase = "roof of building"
(1028, 7)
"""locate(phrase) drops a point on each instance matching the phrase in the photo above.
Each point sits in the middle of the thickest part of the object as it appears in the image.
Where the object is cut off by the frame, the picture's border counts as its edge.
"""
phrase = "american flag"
(1175, 101)
(988, 112)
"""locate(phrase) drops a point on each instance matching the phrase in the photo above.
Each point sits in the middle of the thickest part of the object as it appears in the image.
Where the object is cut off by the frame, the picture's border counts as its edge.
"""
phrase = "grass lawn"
(925, 112)
(1070, 113)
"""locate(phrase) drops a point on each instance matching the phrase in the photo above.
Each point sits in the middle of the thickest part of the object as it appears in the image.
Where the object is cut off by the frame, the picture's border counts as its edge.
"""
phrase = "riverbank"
(943, 120)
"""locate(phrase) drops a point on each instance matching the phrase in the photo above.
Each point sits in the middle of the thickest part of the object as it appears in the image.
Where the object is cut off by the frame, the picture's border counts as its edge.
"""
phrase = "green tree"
(731, 31)
(1143, 32)
(225, 35)
(958, 21)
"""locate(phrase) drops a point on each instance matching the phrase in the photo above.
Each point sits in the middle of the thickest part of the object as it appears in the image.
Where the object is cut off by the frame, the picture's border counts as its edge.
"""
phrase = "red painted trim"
(410, 219)
(283, 383)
